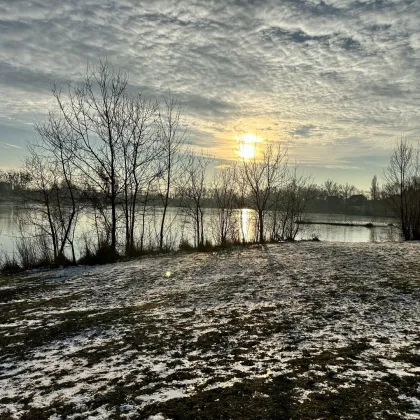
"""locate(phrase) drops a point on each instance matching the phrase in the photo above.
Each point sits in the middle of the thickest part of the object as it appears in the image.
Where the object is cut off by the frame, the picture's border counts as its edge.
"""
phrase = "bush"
(33, 252)
(135, 252)
(27, 252)
(9, 264)
(104, 254)
(184, 245)
(62, 260)
(207, 247)
(139, 250)
(231, 243)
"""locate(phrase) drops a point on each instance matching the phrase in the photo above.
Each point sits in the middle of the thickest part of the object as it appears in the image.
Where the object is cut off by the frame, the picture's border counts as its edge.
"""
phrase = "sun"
(246, 147)
(246, 150)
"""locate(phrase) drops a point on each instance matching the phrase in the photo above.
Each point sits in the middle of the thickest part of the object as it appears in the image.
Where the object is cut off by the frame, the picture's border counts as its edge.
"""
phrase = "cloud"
(322, 71)
(8, 145)
(303, 130)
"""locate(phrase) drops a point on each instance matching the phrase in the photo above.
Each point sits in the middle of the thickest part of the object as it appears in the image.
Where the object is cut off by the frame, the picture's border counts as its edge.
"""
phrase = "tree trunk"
(165, 206)
(261, 226)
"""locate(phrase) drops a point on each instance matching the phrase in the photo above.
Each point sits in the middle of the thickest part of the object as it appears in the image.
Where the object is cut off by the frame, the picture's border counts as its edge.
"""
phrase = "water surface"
(181, 227)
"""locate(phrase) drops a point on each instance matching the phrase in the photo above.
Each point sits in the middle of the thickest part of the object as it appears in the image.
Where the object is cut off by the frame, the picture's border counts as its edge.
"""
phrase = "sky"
(336, 81)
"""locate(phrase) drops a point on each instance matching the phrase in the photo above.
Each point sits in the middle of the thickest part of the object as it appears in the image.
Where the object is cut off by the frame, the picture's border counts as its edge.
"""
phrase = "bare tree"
(224, 197)
(44, 184)
(402, 188)
(53, 188)
(123, 146)
(291, 205)
(331, 187)
(194, 191)
(138, 160)
(96, 114)
(374, 188)
(114, 136)
(56, 151)
(263, 174)
(171, 137)
(346, 190)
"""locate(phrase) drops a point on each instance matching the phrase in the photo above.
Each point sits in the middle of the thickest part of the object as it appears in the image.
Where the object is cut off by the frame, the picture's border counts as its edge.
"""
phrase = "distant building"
(357, 200)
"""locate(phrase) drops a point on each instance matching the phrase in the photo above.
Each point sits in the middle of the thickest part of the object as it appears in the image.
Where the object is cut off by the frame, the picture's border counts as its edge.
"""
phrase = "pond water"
(385, 229)
(181, 227)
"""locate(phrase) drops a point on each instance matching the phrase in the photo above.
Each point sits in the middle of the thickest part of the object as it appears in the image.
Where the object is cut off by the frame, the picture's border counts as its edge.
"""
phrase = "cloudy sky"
(337, 81)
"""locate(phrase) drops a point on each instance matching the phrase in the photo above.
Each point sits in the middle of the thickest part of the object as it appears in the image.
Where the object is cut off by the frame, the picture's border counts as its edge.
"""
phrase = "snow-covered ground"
(332, 327)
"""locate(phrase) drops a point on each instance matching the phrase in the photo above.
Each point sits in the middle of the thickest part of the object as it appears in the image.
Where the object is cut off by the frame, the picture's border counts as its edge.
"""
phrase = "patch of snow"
(267, 319)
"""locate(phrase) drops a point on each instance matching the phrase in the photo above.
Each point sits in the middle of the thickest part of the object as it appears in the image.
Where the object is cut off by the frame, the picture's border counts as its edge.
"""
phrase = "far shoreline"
(366, 225)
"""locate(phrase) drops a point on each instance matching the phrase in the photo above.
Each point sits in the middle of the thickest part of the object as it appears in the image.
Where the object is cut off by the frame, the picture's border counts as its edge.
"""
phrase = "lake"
(181, 227)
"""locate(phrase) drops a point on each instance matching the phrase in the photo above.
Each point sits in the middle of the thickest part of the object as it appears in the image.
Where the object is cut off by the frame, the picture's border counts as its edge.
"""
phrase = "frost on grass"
(292, 330)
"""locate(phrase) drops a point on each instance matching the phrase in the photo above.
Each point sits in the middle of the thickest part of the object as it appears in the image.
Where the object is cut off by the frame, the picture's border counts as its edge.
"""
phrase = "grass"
(290, 330)
(9, 265)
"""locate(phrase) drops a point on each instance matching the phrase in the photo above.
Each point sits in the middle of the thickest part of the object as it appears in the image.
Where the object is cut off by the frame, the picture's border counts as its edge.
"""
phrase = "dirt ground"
(300, 331)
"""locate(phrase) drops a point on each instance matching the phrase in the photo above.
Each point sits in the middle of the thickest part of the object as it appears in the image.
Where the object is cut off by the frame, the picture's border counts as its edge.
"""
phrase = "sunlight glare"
(246, 150)
(247, 145)
(250, 138)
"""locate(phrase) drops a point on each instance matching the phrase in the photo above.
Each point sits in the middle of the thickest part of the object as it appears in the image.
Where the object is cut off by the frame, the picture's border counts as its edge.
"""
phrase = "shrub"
(184, 245)
(104, 254)
(135, 252)
(33, 252)
(9, 264)
(206, 247)
(62, 260)
(139, 251)
(26, 251)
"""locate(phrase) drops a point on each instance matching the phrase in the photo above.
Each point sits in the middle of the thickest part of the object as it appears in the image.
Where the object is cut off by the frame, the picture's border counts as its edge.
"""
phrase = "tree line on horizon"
(118, 154)
(18, 181)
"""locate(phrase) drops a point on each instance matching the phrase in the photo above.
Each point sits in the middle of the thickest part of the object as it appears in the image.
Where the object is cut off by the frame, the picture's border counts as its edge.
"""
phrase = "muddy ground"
(305, 330)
